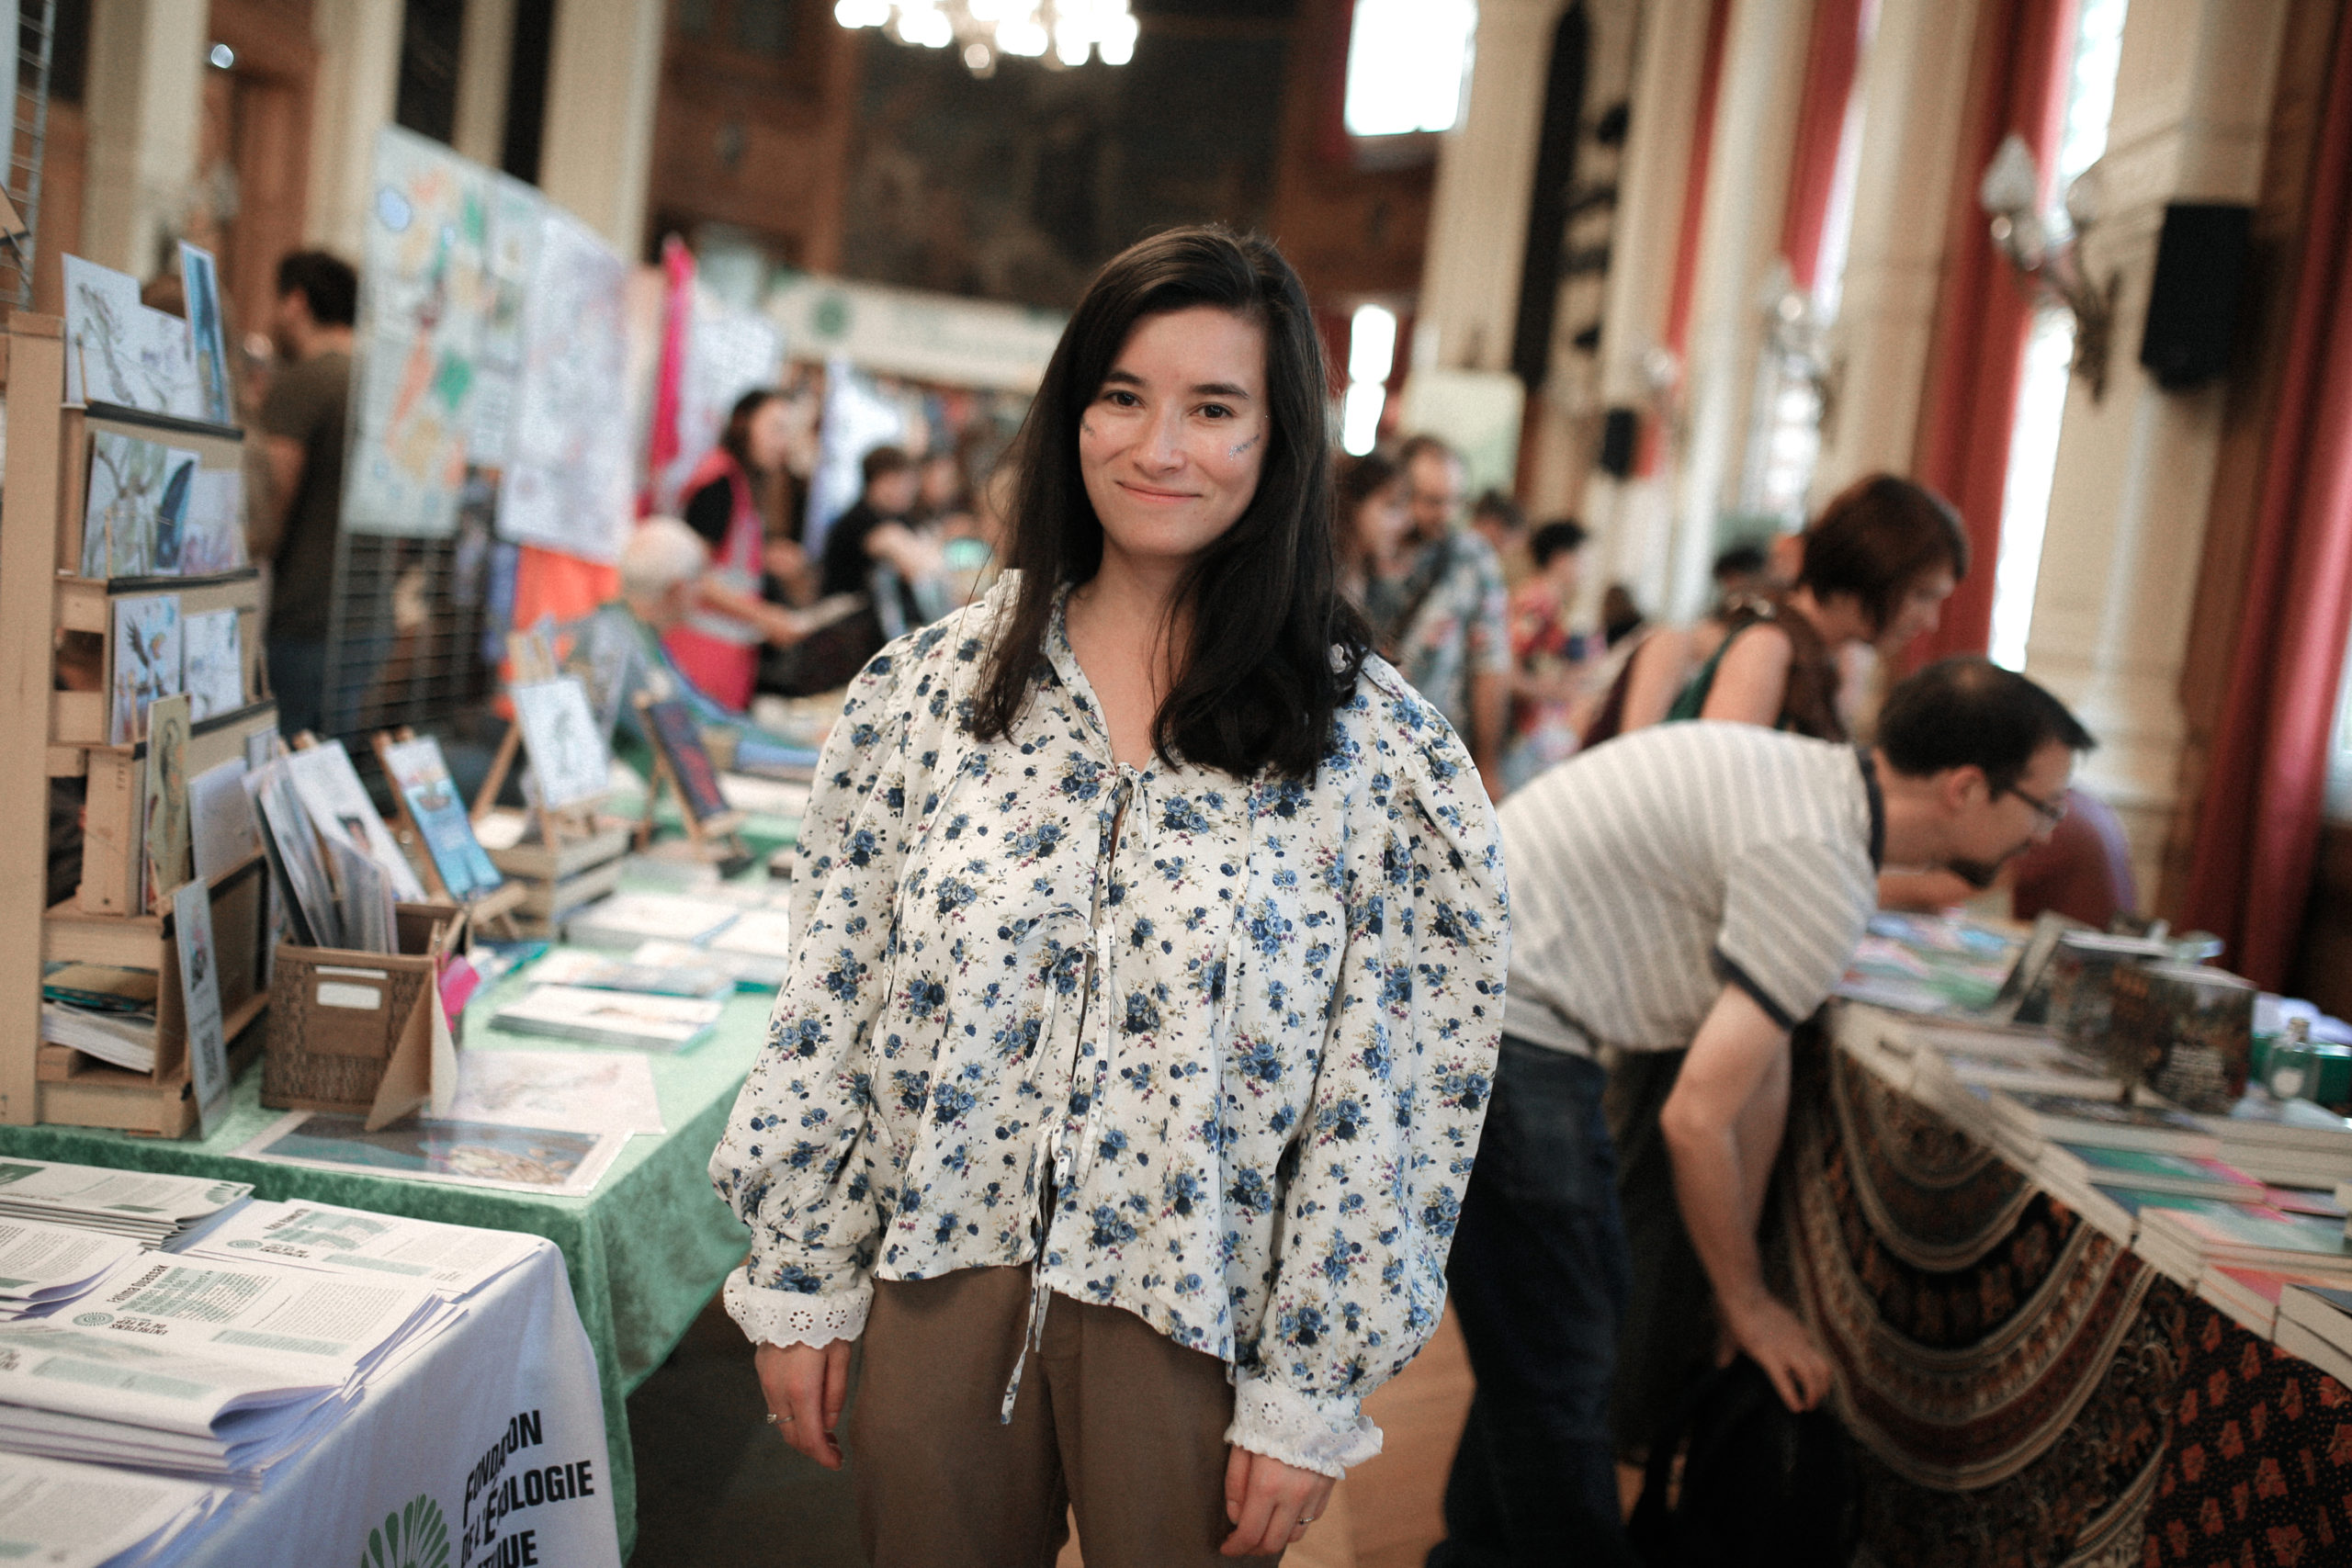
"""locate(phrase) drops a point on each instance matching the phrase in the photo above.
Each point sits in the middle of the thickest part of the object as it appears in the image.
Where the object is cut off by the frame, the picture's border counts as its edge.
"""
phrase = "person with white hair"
(620, 647)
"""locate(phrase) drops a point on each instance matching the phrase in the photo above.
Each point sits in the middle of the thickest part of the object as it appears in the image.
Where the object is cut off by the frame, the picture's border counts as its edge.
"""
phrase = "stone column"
(1913, 95)
(1629, 519)
(1763, 77)
(144, 102)
(602, 78)
(358, 85)
(1485, 167)
(2111, 621)
(485, 59)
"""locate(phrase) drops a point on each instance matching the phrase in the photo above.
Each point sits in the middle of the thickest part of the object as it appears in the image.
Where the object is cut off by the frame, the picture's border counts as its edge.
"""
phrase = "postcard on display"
(146, 662)
(221, 819)
(213, 648)
(165, 828)
(568, 756)
(135, 512)
(200, 282)
(207, 1053)
(418, 771)
(569, 1090)
(212, 536)
(468, 1154)
(292, 847)
(452, 1260)
(339, 803)
(364, 898)
(674, 731)
(165, 376)
(102, 326)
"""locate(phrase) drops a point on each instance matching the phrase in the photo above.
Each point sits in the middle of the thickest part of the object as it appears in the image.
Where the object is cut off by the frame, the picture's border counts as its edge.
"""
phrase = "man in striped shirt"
(1683, 896)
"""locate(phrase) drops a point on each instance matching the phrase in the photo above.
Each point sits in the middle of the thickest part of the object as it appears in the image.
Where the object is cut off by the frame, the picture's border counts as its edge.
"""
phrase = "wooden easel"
(498, 904)
(533, 662)
(712, 838)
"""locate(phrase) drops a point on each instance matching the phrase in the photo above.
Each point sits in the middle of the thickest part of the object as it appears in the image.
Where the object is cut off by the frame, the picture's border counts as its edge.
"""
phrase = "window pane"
(1408, 62)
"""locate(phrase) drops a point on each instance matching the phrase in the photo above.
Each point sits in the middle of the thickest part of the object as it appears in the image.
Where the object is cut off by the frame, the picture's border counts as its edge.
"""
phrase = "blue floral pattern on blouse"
(1242, 1031)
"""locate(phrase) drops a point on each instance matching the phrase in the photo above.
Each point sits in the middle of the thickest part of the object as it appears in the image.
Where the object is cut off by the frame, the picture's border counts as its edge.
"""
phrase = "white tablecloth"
(490, 1441)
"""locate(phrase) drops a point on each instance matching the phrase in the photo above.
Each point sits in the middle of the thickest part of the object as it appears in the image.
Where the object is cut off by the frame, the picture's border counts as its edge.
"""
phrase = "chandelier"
(1059, 32)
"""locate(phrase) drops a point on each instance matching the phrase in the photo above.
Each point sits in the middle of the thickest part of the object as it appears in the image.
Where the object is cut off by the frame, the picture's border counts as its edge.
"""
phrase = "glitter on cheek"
(1237, 451)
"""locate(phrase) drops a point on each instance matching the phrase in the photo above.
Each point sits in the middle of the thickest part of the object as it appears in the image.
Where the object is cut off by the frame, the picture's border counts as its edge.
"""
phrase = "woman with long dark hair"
(1150, 947)
(717, 645)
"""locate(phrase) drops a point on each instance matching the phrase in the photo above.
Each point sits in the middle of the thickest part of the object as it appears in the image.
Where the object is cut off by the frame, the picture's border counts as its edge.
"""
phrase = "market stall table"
(645, 1251)
(2022, 1387)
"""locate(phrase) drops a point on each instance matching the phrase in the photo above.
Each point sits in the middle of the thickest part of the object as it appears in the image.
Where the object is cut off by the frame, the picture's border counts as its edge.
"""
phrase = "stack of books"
(2291, 1142)
(626, 919)
(2185, 1242)
(101, 1010)
(2315, 1323)
(152, 1210)
(687, 977)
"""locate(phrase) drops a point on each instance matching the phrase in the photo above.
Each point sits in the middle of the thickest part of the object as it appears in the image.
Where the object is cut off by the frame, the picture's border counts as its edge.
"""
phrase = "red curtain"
(2017, 83)
(2257, 830)
(1694, 208)
(1831, 59)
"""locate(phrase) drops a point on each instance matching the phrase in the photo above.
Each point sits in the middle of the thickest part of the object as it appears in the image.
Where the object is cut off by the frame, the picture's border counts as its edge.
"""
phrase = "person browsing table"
(1150, 937)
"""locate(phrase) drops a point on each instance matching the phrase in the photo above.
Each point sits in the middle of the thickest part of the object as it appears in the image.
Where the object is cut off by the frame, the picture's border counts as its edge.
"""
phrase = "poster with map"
(440, 292)
(569, 475)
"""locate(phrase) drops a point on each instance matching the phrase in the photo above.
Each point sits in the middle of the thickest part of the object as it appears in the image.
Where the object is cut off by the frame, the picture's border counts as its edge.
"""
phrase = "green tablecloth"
(645, 1250)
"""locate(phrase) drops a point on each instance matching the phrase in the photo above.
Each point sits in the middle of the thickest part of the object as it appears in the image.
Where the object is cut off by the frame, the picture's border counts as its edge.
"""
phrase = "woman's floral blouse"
(1242, 1032)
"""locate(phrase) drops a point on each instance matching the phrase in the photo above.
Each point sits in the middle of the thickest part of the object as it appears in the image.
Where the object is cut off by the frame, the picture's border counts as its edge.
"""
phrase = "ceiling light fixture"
(1059, 33)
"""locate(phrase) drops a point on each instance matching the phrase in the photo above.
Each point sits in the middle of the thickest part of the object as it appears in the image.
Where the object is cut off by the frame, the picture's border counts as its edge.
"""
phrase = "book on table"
(2251, 1235)
(2253, 1295)
(2076, 1119)
(2151, 1170)
(610, 1018)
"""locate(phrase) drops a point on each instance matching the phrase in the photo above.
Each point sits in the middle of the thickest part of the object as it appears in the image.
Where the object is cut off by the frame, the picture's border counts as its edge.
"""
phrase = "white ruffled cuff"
(790, 1317)
(1323, 1435)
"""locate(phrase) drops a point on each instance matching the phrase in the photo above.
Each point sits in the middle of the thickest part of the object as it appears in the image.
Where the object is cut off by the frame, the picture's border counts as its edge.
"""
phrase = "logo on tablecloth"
(416, 1537)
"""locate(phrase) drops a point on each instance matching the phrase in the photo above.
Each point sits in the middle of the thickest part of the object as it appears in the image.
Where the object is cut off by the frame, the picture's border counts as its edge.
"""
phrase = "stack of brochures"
(44, 1265)
(610, 1018)
(2185, 1242)
(152, 1209)
(747, 971)
(204, 1367)
(452, 1261)
(53, 1511)
(688, 976)
(626, 918)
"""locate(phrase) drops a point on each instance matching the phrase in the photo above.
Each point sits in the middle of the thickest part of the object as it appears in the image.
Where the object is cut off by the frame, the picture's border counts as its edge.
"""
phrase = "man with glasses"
(1680, 898)
(1442, 617)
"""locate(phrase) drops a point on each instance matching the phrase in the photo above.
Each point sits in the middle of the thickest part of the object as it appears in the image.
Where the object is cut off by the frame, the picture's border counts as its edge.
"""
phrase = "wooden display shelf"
(217, 446)
(86, 606)
(108, 1097)
(539, 862)
(113, 810)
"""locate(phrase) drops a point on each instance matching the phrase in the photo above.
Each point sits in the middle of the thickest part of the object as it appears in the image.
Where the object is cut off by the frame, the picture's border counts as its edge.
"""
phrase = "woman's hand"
(805, 1387)
(1270, 1503)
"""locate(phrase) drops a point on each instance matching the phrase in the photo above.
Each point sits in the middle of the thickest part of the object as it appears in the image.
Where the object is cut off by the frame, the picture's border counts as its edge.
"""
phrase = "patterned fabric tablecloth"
(2023, 1390)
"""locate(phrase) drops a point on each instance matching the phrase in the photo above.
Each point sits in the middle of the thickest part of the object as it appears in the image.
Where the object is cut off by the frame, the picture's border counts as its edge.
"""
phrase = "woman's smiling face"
(1174, 441)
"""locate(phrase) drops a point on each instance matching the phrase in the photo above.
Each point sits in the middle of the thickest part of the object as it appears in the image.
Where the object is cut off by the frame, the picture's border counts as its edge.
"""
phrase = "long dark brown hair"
(737, 436)
(1256, 683)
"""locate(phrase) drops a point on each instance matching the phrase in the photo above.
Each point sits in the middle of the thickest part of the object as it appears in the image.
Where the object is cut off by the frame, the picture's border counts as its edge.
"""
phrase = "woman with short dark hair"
(1150, 937)
(1879, 563)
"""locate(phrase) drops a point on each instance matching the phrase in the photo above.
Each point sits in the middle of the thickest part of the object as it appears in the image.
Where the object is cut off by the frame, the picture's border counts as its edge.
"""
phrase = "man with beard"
(1680, 898)
(302, 420)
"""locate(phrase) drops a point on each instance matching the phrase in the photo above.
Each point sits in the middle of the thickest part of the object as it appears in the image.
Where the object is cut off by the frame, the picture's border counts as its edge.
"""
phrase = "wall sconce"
(2049, 257)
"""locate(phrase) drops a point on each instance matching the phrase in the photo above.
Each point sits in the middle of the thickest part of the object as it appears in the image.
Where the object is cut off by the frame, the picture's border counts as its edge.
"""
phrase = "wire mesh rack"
(28, 138)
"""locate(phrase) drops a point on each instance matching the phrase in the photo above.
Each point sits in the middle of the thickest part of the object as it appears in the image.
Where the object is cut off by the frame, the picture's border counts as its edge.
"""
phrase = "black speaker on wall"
(2193, 302)
(1619, 429)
